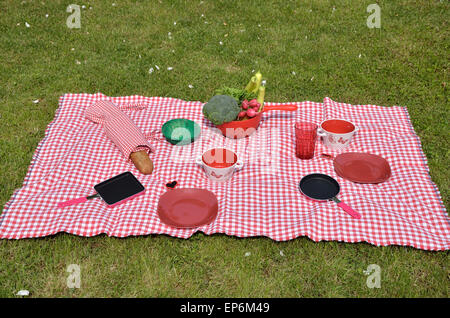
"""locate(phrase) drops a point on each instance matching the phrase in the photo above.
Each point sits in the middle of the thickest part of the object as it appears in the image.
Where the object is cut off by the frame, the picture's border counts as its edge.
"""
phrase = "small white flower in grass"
(240, 51)
(293, 73)
(281, 253)
(190, 86)
(150, 71)
(90, 8)
(157, 67)
(259, 25)
(113, 4)
(23, 292)
(78, 62)
(170, 68)
(140, 56)
(46, 15)
(247, 254)
(334, 9)
(36, 101)
(312, 78)
(253, 71)
(221, 43)
(206, 22)
(306, 37)
(203, 15)
(27, 24)
(359, 56)
(175, 23)
(170, 35)
(18, 24)
(83, 7)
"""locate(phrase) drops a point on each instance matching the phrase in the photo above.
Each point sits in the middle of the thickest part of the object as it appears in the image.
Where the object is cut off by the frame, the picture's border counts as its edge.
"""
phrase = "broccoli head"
(221, 109)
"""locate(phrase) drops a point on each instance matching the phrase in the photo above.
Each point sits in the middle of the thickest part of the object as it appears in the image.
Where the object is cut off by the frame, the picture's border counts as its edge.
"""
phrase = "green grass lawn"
(332, 52)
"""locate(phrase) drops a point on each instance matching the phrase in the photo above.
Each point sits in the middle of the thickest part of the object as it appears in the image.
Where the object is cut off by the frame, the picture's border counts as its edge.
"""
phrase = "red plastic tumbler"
(305, 139)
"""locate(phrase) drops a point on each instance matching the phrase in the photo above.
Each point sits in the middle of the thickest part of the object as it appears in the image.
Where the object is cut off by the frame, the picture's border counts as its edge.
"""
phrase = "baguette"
(142, 161)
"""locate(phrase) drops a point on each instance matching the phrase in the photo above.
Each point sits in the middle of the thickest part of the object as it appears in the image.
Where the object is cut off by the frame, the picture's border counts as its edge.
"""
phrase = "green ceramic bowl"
(180, 131)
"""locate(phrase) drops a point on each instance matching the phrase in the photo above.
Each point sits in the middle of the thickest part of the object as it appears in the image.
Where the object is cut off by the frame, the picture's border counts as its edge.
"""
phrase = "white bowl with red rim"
(219, 164)
(336, 133)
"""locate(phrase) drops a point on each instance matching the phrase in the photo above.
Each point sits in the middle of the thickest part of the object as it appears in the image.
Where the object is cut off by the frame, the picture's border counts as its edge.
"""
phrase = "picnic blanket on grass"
(262, 199)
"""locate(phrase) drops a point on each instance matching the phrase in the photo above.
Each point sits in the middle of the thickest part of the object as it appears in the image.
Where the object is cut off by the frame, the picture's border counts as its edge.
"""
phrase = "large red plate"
(362, 167)
(187, 207)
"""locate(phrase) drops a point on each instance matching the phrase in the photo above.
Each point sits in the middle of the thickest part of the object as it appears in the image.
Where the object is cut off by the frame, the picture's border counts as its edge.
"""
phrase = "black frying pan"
(113, 191)
(318, 186)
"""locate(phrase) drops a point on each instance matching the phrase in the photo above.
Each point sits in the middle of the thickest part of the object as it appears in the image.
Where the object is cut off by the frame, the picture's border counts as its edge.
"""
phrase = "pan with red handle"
(322, 187)
(244, 128)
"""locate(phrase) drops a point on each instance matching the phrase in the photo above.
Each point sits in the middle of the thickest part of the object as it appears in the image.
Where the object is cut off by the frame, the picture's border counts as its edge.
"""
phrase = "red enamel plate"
(187, 207)
(362, 167)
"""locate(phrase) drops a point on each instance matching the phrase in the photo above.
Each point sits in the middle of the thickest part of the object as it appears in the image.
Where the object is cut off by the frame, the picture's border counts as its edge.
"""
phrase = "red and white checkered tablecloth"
(262, 199)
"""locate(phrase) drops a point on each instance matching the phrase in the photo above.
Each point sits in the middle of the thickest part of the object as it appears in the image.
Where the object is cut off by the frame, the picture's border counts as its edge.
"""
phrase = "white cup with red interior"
(336, 133)
(219, 163)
